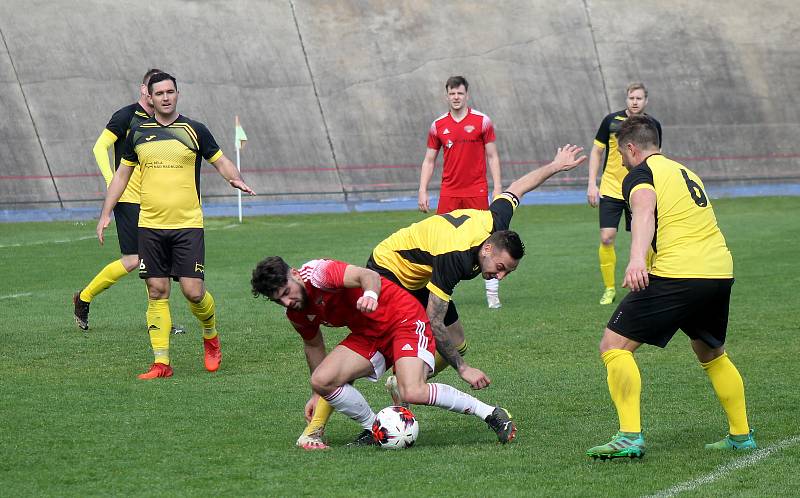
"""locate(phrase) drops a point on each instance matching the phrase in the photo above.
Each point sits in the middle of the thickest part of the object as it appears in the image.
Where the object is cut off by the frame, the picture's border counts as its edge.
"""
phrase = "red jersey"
(331, 304)
(464, 171)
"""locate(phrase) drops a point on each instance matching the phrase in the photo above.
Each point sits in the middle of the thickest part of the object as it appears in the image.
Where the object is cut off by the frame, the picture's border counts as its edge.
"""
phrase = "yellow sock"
(441, 363)
(322, 413)
(730, 390)
(159, 323)
(608, 264)
(204, 311)
(107, 277)
(625, 386)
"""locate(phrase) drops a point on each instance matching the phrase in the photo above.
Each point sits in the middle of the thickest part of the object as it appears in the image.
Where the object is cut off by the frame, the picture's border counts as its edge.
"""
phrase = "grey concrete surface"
(337, 97)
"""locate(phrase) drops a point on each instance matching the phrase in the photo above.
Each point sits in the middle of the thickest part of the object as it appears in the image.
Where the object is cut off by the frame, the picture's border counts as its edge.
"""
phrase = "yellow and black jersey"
(606, 138)
(440, 251)
(687, 241)
(170, 157)
(120, 124)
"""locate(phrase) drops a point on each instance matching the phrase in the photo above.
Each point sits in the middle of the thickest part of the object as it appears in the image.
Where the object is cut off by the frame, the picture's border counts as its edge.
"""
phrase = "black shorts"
(126, 217)
(697, 306)
(421, 295)
(171, 253)
(611, 211)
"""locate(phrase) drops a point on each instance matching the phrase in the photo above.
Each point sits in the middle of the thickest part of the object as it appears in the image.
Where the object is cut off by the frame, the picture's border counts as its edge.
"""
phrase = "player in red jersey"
(467, 136)
(387, 326)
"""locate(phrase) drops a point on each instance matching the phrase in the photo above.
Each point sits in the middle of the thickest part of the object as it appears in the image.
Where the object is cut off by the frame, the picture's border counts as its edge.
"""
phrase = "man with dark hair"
(680, 275)
(430, 257)
(467, 136)
(126, 212)
(387, 327)
(169, 148)
(609, 196)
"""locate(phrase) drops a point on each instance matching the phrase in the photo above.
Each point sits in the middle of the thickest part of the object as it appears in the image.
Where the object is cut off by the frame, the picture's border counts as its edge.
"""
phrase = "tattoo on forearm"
(444, 346)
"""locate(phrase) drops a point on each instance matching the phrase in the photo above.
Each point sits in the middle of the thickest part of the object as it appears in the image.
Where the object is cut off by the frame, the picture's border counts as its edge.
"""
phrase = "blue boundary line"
(540, 197)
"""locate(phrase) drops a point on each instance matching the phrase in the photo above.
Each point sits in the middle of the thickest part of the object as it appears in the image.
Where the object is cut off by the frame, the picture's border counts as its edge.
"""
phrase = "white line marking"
(12, 296)
(45, 242)
(723, 470)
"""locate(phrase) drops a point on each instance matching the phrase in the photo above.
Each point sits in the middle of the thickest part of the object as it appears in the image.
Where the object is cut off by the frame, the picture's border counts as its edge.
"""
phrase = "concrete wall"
(337, 97)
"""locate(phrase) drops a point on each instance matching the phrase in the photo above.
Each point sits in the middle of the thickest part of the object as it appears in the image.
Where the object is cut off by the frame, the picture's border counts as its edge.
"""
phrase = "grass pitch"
(75, 421)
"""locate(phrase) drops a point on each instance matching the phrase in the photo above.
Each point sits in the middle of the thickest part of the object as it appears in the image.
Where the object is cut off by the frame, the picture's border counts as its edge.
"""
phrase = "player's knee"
(194, 295)
(416, 393)
(130, 262)
(607, 240)
(322, 385)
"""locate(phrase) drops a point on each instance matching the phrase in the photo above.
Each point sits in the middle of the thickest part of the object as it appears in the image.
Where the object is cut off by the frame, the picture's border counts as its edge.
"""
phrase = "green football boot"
(620, 446)
(745, 442)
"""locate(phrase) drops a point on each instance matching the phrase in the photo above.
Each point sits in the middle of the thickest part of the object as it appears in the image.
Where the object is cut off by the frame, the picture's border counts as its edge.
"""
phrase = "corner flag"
(241, 136)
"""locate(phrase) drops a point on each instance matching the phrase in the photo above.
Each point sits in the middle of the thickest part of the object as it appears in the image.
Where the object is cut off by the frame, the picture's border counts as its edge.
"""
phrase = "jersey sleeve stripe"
(215, 156)
(125, 162)
(599, 144)
(439, 292)
(641, 186)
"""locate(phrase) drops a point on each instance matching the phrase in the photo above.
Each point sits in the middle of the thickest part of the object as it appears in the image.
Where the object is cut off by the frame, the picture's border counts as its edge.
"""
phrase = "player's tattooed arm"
(437, 308)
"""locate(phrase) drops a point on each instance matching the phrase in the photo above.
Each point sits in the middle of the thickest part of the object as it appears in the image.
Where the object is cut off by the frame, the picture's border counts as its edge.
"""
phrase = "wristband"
(371, 294)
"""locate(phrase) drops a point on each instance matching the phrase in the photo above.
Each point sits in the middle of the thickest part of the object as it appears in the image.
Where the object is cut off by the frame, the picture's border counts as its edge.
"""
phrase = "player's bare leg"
(411, 374)
(331, 381)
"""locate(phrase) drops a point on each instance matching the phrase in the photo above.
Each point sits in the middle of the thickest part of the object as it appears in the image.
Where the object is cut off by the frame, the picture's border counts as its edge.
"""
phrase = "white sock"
(347, 400)
(450, 398)
(492, 286)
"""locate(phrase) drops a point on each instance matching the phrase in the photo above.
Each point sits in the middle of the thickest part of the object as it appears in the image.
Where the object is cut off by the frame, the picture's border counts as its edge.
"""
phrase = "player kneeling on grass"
(680, 276)
(387, 326)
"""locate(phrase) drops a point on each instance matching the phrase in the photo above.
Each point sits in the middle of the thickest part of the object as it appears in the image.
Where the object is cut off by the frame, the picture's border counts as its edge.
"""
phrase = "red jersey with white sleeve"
(464, 142)
(398, 327)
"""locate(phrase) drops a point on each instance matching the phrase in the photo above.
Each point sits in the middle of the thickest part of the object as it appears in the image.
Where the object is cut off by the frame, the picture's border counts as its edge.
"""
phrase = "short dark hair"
(455, 82)
(509, 241)
(640, 131)
(271, 274)
(159, 77)
(149, 74)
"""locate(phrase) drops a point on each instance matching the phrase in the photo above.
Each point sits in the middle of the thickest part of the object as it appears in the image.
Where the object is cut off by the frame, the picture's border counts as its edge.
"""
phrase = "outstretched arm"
(228, 170)
(370, 281)
(565, 159)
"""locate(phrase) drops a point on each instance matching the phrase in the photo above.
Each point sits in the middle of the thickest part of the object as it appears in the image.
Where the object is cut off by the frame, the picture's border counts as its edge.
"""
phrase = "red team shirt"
(399, 326)
(464, 142)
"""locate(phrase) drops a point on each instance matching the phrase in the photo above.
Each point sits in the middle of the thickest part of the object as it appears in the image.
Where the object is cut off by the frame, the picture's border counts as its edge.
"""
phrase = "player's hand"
(474, 377)
(423, 201)
(366, 304)
(593, 195)
(311, 405)
(241, 185)
(636, 277)
(566, 157)
(102, 224)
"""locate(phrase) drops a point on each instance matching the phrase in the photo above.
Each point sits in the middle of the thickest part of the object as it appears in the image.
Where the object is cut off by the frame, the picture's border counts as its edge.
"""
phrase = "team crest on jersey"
(449, 144)
(446, 132)
(469, 128)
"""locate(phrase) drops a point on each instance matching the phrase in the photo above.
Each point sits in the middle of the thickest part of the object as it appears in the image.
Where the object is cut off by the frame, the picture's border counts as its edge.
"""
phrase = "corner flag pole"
(239, 139)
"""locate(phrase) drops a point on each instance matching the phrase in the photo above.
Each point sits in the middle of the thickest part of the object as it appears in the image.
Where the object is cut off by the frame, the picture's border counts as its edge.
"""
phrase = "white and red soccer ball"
(395, 428)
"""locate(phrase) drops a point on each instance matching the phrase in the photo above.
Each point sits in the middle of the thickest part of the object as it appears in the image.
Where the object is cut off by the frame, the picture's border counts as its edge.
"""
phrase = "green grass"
(74, 421)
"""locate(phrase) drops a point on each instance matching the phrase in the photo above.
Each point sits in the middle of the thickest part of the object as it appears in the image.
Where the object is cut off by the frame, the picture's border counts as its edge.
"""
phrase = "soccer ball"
(395, 428)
